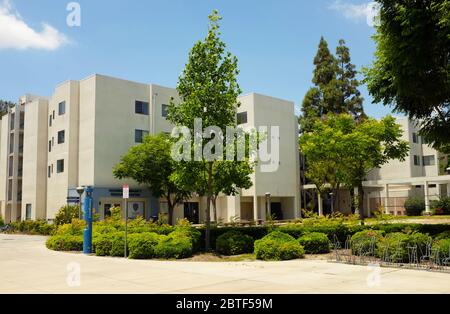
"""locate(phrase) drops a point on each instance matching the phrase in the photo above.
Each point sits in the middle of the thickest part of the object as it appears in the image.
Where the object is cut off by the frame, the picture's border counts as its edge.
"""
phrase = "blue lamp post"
(87, 243)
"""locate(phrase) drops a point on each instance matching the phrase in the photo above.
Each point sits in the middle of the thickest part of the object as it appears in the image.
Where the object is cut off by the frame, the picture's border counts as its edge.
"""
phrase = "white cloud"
(16, 34)
(357, 12)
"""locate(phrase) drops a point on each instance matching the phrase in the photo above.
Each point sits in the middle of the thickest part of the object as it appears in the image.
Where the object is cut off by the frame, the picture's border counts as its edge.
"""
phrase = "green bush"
(74, 228)
(184, 228)
(66, 214)
(397, 245)
(315, 243)
(362, 240)
(65, 243)
(2, 222)
(174, 246)
(142, 245)
(442, 236)
(102, 244)
(38, 227)
(118, 245)
(444, 248)
(441, 206)
(415, 206)
(278, 246)
(234, 243)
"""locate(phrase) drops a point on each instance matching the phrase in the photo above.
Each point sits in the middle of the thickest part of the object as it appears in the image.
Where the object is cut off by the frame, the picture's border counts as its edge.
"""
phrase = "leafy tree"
(335, 88)
(343, 151)
(208, 90)
(66, 214)
(4, 106)
(411, 71)
(151, 164)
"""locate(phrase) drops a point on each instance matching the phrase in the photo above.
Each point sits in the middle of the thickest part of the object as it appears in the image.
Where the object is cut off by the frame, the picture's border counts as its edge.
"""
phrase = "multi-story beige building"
(49, 146)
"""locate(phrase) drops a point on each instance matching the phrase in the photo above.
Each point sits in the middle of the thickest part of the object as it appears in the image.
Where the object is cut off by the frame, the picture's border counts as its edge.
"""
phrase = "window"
(416, 160)
(49, 171)
(139, 136)
(49, 146)
(53, 114)
(28, 212)
(62, 108)
(60, 166)
(415, 138)
(50, 121)
(164, 110)
(61, 137)
(141, 107)
(242, 118)
(429, 161)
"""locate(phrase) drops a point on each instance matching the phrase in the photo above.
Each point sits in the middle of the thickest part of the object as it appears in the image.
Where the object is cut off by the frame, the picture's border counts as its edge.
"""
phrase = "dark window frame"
(62, 108)
(61, 137)
(242, 118)
(60, 166)
(139, 135)
(142, 107)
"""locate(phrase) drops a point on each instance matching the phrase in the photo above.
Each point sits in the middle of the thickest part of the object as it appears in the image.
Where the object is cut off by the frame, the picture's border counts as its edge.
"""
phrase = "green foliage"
(174, 246)
(278, 246)
(151, 164)
(441, 206)
(74, 228)
(415, 206)
(2, 222)
(102, 244)
(335, 88)
(397, 245)
(142, 246)
(184, 229)
(33, 227)
(65, 243)
(443, 236)
(443, 246)
(66, 214)
(363, 240)
(234, 243)
(412, 64)
(315, 243)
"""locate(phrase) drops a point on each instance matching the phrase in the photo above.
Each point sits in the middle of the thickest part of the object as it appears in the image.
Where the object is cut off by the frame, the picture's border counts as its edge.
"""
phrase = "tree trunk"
(171, 209)
(361, 200)
(208, 209)
(214, 203)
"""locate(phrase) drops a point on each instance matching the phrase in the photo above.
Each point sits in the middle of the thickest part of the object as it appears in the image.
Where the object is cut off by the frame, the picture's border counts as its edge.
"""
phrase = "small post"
(268, 213)
(87, 241)
(126, 196)
(332, 202)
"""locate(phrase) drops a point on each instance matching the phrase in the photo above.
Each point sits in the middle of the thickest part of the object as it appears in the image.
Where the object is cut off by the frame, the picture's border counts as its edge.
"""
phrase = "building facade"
(50, 146)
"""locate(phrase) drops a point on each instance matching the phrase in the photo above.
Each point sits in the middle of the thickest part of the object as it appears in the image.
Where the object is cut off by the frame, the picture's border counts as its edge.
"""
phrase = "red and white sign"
(126, 192)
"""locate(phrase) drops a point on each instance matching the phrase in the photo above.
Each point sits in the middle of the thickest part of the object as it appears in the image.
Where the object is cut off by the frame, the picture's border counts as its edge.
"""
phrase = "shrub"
(441, 206)
(444, 248)
(397, 245)
(65, 243)
(174, 246)
(234, 243)
(102, 244)
(66, 214)
(2, 222)
(362, 240)
(315, 243)
(142, 246)
(415, 206)
(74, 228)
(442, 236)
(39, 227)
(118, 244)
(278, 246)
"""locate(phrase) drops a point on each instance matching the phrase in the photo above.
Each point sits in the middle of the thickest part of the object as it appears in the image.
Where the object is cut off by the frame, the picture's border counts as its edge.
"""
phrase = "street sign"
(126, 192)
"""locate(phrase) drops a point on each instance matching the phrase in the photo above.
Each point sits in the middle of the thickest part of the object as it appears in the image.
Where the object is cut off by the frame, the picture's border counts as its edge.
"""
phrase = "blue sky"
(148, 41)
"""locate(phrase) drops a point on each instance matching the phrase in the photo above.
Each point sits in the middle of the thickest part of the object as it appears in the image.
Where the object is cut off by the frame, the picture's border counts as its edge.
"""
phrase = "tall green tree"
(411, 71)
(343, 151)
(335, 88)
(4, 106)
(150, 164)
(208, 90)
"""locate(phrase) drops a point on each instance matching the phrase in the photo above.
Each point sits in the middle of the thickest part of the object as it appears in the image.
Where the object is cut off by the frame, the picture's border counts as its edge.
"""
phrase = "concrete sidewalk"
(26, 266)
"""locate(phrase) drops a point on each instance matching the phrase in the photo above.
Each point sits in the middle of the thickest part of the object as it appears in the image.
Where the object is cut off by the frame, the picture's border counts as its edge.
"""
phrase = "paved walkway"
(26, 266)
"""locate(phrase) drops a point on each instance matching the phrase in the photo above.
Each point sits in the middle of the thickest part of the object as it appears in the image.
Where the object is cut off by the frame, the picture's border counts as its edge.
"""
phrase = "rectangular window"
(53, 114)
(242, 118)
(49, 171)
(50, 121)
(164, 110)
(415, 138)
(60, 166)
(53, 141)
(429, 161)
(28, 212)
(142, 107)
(49, 146)
(139, 135)
(62, 108)
(61, 137)
(416, 160)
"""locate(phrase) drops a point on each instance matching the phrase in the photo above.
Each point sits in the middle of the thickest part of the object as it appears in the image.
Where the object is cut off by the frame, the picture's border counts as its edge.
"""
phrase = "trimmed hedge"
(278, 246)
(174, 247)
(443, 236)
(102, 244)
(234, 243)
(142, 245)
(361, 241)
(415, 206)
(66, 243)
(315, 243)
(193, 234)
(33, 227)
(398, 243)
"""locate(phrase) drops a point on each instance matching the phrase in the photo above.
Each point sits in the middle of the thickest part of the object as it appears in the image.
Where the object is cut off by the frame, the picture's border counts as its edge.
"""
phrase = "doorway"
(192, 212)
(276, 211)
